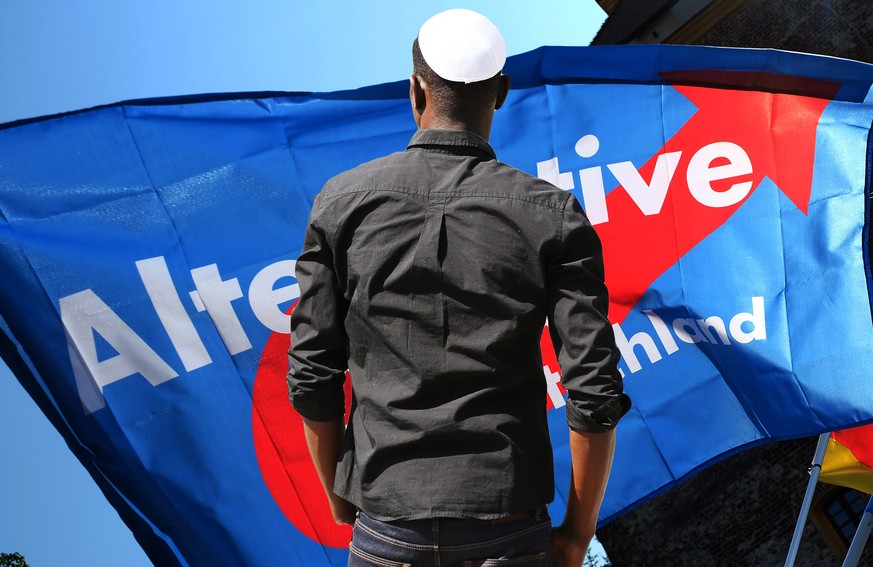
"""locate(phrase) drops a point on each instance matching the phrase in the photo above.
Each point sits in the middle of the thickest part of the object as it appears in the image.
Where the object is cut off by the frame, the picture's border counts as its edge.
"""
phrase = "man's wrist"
(579, 540)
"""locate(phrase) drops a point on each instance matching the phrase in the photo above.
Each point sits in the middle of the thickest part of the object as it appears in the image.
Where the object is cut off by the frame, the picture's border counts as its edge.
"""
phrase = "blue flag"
(147, 255)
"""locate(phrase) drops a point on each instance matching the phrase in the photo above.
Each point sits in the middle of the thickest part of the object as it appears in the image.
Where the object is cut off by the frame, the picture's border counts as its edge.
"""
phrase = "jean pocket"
(535, 560)
(358, 558)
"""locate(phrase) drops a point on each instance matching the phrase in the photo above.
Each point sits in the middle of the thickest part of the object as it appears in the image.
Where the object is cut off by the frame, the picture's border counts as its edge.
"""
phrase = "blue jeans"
(447, 542)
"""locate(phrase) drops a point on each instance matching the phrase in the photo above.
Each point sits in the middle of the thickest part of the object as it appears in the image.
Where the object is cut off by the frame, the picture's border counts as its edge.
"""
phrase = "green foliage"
(12, 560)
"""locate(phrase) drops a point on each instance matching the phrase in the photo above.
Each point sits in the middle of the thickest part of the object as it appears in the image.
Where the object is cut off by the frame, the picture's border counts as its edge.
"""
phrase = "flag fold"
(147, 251)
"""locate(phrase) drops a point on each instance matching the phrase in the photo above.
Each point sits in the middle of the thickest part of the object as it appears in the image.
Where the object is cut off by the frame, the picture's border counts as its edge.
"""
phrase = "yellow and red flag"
(848, 460)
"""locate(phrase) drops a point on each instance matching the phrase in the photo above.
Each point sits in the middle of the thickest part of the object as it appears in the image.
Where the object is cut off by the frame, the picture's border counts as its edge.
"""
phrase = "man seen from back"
(429, 274)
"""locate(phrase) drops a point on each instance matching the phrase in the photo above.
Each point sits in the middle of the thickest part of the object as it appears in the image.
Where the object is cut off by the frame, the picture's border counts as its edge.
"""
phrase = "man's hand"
(567, 550)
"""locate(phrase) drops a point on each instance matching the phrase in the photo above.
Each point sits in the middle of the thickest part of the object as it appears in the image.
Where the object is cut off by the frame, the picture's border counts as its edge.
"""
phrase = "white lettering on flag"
(701, 174)
(265, 298)
(215, 296)
(159, 285)
(84, 314)
(649, 197)
(549, 171)
(552, 381)
(743, 328)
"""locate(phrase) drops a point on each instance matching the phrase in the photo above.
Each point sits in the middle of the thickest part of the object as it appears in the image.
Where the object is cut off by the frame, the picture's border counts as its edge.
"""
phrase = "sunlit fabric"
(848, 460)
(147, 255)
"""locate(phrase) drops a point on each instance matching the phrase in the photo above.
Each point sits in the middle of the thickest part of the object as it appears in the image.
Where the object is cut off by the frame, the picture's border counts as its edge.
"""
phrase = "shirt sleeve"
(318, 357)
(580, 330)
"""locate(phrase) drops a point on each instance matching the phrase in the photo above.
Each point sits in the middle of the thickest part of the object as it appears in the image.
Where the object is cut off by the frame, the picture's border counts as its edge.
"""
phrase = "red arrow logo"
(776, 131)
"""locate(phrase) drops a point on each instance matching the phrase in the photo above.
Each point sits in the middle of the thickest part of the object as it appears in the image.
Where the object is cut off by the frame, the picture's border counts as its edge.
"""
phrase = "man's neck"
(481, 128)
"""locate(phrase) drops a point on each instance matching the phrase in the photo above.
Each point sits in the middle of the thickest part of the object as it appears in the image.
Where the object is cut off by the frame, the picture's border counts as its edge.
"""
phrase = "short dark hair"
(453, 98)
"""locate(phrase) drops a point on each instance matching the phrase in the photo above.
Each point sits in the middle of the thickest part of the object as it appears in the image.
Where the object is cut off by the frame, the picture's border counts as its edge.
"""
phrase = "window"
(844, 512)
(836, 513)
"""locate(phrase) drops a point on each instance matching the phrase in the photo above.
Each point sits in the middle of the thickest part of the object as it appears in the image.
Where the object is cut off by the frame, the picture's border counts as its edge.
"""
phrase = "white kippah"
(462, 46)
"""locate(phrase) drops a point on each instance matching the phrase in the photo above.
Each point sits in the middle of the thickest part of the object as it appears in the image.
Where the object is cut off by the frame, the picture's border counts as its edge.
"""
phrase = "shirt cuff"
(599, 420)
(320, 405)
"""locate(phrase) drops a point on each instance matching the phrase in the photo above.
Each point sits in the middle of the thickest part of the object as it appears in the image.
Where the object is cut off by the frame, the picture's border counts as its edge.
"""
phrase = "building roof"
(628, 17)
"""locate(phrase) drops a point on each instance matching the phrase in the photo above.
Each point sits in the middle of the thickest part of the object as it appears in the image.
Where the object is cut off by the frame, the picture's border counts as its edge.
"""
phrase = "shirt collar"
(453, 141)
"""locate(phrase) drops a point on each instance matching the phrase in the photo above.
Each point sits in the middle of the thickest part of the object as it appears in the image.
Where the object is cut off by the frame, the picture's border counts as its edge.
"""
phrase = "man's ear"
(417, 97)
(502, 90)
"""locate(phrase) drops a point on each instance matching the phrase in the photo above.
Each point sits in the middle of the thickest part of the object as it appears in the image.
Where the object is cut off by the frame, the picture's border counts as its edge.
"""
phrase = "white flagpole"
(814, 471)
(861, 535)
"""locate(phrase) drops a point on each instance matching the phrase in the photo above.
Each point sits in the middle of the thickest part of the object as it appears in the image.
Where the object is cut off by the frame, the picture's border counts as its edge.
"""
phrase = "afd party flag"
(147, 255)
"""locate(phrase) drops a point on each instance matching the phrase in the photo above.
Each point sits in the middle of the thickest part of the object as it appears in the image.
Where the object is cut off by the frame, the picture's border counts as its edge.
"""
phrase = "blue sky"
(57, 56)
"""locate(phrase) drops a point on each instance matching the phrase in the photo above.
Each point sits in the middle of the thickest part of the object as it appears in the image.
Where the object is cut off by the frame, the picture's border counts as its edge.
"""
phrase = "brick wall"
(841, 28)
(741, 511)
